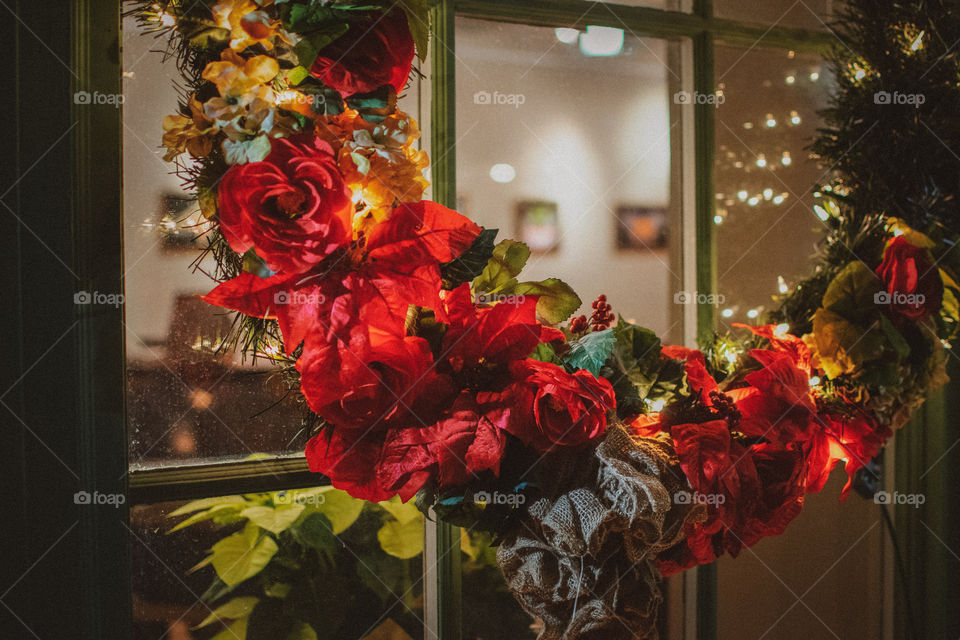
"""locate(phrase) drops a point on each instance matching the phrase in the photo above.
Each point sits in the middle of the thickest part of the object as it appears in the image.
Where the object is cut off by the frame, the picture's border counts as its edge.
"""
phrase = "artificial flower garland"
(436, 373)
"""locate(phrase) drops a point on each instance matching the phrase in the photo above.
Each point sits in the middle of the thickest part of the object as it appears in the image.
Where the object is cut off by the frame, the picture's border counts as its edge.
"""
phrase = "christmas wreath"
(601, 458)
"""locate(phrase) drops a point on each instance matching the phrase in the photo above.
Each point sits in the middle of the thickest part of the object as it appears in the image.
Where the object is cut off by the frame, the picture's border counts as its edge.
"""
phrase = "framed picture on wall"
(641, 228)
(538, 225)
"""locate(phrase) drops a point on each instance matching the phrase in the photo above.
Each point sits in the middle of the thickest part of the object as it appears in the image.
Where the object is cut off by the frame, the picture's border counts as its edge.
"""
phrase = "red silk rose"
(369, 382)
(567, 409)
(913, 284)
(292, 208)
(377, 50)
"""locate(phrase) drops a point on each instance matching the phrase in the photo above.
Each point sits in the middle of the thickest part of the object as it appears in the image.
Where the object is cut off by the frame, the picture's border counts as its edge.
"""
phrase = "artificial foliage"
(438, 375)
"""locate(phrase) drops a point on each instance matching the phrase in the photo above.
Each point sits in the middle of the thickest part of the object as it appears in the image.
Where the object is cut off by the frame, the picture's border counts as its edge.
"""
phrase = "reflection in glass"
(303, 564)
(489, 610)
(765, 224)
(766, 230)
(808, 14)
(189, 397)
(564, 141)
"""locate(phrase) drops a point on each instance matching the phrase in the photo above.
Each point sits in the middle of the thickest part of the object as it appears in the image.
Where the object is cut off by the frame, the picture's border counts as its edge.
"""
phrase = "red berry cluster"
(601, 317)
(579, 325)
(725, 407)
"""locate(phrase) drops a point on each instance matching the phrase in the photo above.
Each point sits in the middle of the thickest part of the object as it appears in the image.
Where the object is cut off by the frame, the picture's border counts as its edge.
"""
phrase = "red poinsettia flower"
(377, 50)
(568, 409)
(854, 440)
(373, 281)
(481, 336)
(695, 366)
(783, 342)
(913, 283)
(351, 464)
(778, 405)
(468, 440)
(292, 208)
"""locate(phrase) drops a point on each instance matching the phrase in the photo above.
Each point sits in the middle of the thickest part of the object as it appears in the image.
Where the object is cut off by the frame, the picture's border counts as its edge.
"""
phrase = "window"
(203, 425)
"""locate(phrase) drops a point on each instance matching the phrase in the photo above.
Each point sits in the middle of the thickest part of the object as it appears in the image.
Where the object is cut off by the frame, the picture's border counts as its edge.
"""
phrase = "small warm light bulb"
(814, 381)
(917, 43)
(761, 161)
(767, 193)
(167, 19)
(814, 76)
(795, 118)
(657, 405)
(503, 173)
(860, 74)
(567, 35)
(748, 125)
(754, 201)
(771, 121)
(742, 195)
(727, 313)
(790, 79)
(731, 357)
(785, 159)
(781, 330)
(752, 313)
(779, 199)
(717, 219)
(782, 287)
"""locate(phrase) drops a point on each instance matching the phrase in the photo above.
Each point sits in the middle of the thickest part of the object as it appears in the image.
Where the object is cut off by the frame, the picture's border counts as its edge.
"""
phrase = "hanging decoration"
(601, 458)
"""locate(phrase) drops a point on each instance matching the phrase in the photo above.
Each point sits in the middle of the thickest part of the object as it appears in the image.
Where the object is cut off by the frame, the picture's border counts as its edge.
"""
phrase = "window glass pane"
(309, 563)
(807, 14)
(489, 610)
(766, 229)
(566, 144)
(186, 401)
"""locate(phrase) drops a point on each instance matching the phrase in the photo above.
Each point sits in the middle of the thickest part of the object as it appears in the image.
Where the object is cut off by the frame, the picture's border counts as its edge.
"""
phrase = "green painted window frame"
(85, 226)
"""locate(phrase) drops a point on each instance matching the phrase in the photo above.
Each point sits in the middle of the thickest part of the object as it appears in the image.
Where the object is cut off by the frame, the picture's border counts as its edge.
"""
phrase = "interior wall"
(591, 135)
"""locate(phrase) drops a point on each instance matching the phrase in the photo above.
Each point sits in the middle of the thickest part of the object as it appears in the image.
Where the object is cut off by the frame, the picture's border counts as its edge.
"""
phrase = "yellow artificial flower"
(242, 80)
(378, 162)
(192, 134)
(248, 23)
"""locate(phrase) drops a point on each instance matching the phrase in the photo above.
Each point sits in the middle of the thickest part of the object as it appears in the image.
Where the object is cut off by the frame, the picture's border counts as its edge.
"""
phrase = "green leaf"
(557, 300)
(851, 293)
(471, 263)
(592, 350)
(236, 631)
(545, 353)
(242, 555)
(274, 519)
(418, 18)
(233, 610)
(402, 512)
(218, 513)
(402, 540)
(508, 259)
(302, 631)
(297, 75)
(206, 503)
(315, 531)
(340, 508)
(277, 590)
(894, 337)
(312, 43)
